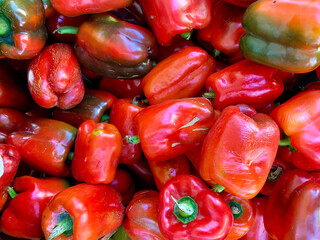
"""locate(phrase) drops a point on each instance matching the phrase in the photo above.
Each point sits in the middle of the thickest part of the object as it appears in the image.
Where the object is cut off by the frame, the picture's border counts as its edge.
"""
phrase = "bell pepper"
(188, 209)
(113, 48)
(124, 183)
(257, 230)
(241, 3)
(48, 9)
(22, 219)
(292, 211)
(163, 171)
(141, 222)
(12, 94)
(173, 79)
(22, 30)
(239, 150)
(173, 127)
(173, 17)
(72, 8)
(243, 212)
(283, 34)
(299, 119)
(122, 88)
(245, 82)
(83, 212)
(9, 121)
(44, 144)
(97, 152)
(225, 29)
(54, 78)
(92, 107)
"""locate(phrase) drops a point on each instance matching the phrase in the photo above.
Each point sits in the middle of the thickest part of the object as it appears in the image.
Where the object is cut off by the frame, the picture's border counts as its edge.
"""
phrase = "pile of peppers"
(160, 119)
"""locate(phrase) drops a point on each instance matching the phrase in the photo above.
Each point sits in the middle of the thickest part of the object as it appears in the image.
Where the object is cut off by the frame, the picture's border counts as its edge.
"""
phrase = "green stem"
(185, 209)
(70, 156)
(132, 139)
(236, 209)
(12, 193)
(216, 53)
(5, 26)
(218, 188)
(134, 101)
(186, 35)
(105, 118)
(66, 30)
(210, 95)
(64, 226)
(286, 142)
(145, 101)
(120, 234)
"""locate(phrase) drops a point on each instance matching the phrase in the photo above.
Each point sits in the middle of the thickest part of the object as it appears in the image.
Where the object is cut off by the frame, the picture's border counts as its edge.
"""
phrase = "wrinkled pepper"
(97, 152)
(173, 127)
(54, 78)
(188, 209)
(299, 118)
(141, 222)
(283, 34)
(293, 208)
(239, 150)
(173, 79)
(22, 31)
(83, 212)
(22, 218)
(245, 82)
(168, 18)
(44, 144)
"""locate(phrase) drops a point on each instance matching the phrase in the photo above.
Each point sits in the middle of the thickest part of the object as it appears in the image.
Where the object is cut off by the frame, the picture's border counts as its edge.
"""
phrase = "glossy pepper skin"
(54, 78)
(122, 116)
(173, 127)
(172, 17)
(213, 218)
(225, 29)
(95, 210)
(92, 107)
(245, 82)
(72, 8)
(173, 79)
(44, 144)
(240, 3)
(114, 48)
(22, 31)
(97, 152)
(299, 119)
(283, 34)
(141, 222)
(292, 211)
(22, 219)
(239, 150)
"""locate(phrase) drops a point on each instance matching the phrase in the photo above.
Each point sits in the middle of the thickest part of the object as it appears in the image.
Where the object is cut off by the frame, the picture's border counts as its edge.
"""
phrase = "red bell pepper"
(239, 150)
(141, 222)
(124, 183)
(44, 144)
(163, 171)
(224, 30)
(122, 88)
(92, 107)
(171, 128)
(172, 17)
(243, 212)
(299, 118)
(54, 78)
(9, 121)
(83, 212)
(241, 3)
(22, 219)
(48, 9)
(122, 114)
(173, 79)
(97, 152)
(257, 230)
(22, 33)
(245, 82)
(188, 209)
(12, 95)
(293, 208)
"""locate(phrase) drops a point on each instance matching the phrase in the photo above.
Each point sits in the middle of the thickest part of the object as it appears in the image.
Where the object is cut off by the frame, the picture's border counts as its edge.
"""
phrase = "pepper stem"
(66, 30)
(12, 193)
(64, 226)
(5, 26)
(132, 139)
(105, 118)
(275, 173)
(185, 209)
(210, 95)
(216, 53)
(218, 188)
(186, 35)
(120, 234)
(236, 209)
(286, 142)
